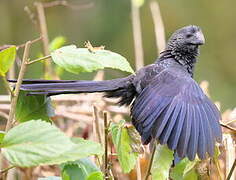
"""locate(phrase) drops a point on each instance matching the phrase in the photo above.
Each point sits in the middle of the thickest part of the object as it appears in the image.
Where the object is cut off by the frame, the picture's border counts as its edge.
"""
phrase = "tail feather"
(116, 88)
(38, 81)
(78, 86)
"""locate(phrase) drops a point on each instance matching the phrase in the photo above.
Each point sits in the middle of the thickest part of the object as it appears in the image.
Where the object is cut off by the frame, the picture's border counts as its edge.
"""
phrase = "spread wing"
(174, 110)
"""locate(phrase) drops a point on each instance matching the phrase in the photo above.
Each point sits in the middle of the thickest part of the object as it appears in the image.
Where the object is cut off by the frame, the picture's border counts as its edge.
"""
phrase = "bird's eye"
(189, 35)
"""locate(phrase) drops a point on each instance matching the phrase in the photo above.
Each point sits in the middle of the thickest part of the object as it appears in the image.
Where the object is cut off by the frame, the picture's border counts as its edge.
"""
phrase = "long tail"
(121, 87)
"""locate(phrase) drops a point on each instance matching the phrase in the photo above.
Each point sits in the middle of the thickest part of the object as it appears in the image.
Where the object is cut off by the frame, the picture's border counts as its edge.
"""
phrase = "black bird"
(166, 103)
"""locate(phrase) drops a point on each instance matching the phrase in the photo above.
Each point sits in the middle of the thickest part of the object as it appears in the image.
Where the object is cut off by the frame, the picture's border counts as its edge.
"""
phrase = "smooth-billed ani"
(166, 103)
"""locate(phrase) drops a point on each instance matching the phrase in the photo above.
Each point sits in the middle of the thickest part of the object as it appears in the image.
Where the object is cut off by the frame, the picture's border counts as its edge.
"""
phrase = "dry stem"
(65, 3)
(39, 59)
(158, 26)
(17, 87)
(228, 127)
(138, 169)
(231, 170)
(106, 145)
(96, 124)
(44, 34)
(32, 41)
(137, 35)
(6, 169)
(151, 161)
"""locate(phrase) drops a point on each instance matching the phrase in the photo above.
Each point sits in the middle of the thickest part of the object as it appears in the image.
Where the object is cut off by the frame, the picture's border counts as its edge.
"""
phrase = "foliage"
(7, 58)
(122, 141)
(163, 159)
(83, 169)
(37, 142)
(2, 134)
(78, 60)
(184, 170)
(56, 43)
(33, 107)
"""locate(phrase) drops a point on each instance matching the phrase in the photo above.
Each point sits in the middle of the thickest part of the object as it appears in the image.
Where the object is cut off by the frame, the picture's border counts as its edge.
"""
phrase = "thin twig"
(138, 169)
(228, 127)
(231, 170)
(158, 26)
(231, 121)
(106, 145)
(17, 87)
(2, 114)
(6, 169)
(66, 4)
(44, 33)
(39, 59)
(96, 123)
(151, 162)
(216, 161)
(137, 35)
(32, 41)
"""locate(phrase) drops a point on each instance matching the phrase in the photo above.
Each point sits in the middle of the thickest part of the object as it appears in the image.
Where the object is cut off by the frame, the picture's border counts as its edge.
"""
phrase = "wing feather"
(193, 140)
(170, 124)
(202, 144)
(173, 109)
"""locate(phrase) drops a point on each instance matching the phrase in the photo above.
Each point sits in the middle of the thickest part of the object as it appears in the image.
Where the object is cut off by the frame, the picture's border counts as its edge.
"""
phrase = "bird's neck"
(186, 59)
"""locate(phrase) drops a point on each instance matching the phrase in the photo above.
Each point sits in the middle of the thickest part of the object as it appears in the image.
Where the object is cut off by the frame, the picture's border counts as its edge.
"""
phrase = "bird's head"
(186, 40)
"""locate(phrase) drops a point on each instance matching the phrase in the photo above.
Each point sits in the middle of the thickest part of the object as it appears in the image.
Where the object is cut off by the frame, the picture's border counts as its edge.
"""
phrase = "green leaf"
(192, 174)
(33, 107)
(2, 134)
(35, 143)
(80, 169)
(78, 60)
(180, 171)
(95, 176)
(122, 141)
(81, 149)
(57, 43)
(50, 178)
(7, 58)
(162, 163)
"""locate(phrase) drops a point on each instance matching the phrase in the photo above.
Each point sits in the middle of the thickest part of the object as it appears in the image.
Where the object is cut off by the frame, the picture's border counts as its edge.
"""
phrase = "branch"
(32, 41)
(231, 170)
(17, 87)
(138, 169)
(106, 145)
(39, 59)
(231, 121)
(6, 169)
(96, 124)
(44, 34)
(151, 162)
(228, 127)
(66, 4)
(2, 114)
(137, 35)
(158, 26)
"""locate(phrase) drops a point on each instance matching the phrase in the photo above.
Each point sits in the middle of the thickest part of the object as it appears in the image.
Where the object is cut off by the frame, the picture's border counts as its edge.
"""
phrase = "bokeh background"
(108, 22)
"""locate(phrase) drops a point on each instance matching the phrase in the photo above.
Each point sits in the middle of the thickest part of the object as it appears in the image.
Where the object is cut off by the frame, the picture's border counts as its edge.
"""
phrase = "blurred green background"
(108, 22)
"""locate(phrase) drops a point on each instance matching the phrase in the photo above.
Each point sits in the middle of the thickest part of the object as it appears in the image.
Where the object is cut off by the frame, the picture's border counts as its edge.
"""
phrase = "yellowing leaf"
(7, 58)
